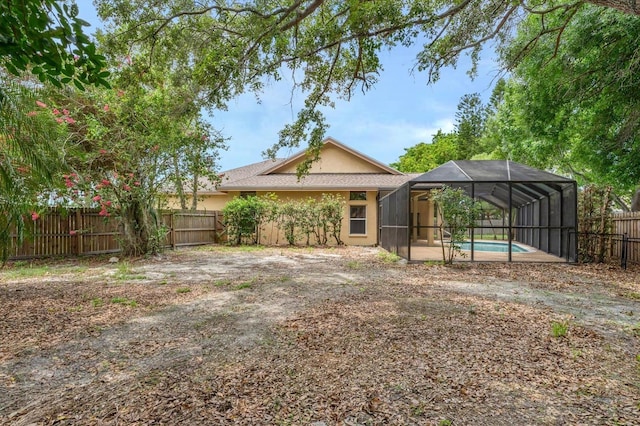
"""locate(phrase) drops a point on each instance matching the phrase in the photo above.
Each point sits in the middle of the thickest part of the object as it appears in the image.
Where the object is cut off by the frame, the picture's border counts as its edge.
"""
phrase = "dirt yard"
(342, 336)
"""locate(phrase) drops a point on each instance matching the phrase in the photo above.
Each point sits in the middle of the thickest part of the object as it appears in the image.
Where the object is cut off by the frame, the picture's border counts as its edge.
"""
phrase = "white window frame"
(364, 219)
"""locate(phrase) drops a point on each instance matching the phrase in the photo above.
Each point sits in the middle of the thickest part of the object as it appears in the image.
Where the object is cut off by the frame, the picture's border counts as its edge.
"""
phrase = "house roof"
(325, 181)
(300, 156)
(487, 171)
(268, 175)
(496, 181)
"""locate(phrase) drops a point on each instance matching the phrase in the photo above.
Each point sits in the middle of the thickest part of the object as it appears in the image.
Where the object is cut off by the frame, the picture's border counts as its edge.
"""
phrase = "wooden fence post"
(78, 236)
(215, 227)
(172, 224)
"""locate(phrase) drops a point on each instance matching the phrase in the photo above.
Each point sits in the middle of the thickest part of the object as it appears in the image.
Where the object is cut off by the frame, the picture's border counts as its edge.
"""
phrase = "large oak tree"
(331, 47)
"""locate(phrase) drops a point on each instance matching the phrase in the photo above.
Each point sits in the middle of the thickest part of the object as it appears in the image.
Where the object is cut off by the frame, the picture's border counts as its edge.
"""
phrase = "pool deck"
(421, 252)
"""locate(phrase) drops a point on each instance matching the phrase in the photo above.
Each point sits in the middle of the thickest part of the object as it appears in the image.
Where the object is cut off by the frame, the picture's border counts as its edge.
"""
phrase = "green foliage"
(388, 257)
(457, 212)
(332, 211)
(424, 157)
(559, 328)
(573, 106)
(28, 271)
(331, 48)
(470, 122)
(354, 264)
(30, 148)
(246, 219)
(594, 222)
(243, 217)
(124, 301)
(127, 146)
(464, 143)
(45, 38)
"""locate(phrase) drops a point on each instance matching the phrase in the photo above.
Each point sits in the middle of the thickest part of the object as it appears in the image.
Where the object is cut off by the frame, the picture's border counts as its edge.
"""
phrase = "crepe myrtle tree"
(123, 147)
(457, 212)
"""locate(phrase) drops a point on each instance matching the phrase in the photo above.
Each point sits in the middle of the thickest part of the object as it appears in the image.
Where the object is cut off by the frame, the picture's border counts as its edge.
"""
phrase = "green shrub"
(299, 220)
(242, 219)
(458, 213)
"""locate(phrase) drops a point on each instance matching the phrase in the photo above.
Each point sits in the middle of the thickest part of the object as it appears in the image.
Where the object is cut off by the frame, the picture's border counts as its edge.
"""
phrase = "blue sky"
(400, 111)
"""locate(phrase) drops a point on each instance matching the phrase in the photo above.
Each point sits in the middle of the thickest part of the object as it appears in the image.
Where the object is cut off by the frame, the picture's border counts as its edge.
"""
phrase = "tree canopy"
(569, 104)
(464, 142)
(331, 47)
(46, 38)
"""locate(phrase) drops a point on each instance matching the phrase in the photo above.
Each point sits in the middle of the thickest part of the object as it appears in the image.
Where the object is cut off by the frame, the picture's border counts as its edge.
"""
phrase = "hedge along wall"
(270, 220)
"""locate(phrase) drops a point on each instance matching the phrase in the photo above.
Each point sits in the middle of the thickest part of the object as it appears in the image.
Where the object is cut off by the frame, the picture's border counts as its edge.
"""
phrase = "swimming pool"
(494, 247)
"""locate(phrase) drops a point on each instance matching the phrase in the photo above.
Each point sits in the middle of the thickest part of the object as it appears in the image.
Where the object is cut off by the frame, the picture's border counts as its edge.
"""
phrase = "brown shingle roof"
(263, 176)
(239, 173)
(327, 181)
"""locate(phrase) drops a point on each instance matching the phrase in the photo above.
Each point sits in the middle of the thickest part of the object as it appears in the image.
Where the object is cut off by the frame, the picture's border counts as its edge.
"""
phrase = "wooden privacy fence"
(622, 243)
(84, 232)
(627, 225)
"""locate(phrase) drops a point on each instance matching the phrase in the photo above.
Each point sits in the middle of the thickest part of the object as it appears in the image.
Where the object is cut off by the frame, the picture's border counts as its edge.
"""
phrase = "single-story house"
(358, 178)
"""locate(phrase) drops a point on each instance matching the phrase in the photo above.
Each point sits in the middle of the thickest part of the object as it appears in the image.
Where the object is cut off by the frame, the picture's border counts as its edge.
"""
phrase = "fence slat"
(51, 234)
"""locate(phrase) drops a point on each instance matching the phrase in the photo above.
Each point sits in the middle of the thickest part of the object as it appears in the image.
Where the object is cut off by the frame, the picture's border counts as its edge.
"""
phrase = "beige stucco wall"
(206, 202)
(269, 235)
(335, 160)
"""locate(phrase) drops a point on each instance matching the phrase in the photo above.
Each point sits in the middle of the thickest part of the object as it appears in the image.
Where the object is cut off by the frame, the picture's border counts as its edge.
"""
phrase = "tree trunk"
(627, 6)
(178, 183)
(635, 202)
(194, 191)
(138, 227)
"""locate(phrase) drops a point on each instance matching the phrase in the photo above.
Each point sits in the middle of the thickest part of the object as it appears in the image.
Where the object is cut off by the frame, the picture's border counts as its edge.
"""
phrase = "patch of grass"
(77, 269)
(433, 262)
(244, 285)
(222, 283)
(633, 295)
(124, 301)
(97, 302)
(230, 248)
(418, 410)
(27, 272)
(181, 290)
(445, 422)
(388, 257)
(125, 272)
(354, 264)
(559, 328)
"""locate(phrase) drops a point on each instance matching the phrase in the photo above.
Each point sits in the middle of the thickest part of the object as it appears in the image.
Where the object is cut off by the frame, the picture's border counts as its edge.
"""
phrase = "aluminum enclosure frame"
(541, 206)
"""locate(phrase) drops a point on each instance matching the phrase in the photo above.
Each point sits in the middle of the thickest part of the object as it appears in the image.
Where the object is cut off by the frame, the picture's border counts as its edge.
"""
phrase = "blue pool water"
(495, 247)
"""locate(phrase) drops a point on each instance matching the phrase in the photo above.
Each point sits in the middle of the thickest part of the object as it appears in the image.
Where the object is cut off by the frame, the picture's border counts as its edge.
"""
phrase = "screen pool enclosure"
(534, 208)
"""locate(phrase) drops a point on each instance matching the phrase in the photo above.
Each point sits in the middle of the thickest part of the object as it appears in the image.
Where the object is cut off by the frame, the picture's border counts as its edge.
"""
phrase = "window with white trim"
(357, 220)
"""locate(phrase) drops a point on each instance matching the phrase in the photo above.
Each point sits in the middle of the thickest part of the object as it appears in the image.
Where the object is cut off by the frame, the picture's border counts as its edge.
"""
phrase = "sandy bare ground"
(316, 336)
